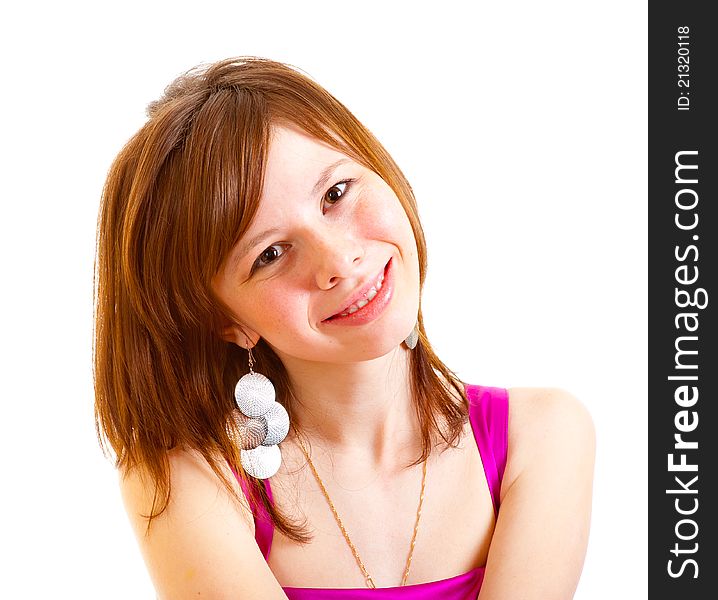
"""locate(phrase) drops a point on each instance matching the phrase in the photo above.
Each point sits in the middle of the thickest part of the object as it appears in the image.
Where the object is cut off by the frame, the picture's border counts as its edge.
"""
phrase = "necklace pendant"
(370, 582)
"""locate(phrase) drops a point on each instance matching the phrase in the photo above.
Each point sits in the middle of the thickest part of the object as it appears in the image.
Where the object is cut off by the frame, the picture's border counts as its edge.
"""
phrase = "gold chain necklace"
(368, 579)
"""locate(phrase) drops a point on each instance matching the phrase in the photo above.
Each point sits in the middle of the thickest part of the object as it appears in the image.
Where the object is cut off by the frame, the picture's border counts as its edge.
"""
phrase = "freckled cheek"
(276, 313)
(382, 217)
(268, 307)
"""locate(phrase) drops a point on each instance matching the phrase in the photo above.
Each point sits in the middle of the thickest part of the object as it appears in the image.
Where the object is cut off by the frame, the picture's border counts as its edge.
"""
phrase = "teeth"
(370, 295)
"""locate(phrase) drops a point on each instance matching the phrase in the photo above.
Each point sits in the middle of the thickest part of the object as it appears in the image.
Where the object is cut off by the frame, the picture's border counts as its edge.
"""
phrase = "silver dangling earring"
(413, 338)
(261, 423)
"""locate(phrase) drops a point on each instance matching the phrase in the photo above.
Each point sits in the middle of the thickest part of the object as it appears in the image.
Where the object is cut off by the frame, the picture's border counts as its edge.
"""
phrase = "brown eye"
(269, 255)
(335, 192)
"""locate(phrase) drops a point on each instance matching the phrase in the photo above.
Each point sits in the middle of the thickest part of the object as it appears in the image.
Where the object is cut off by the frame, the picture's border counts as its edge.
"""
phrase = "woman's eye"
(335, 193)
(275, 251)
(269, 255)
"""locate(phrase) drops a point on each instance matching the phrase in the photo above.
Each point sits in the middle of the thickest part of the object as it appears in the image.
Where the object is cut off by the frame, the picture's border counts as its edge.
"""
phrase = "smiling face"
(328, 269)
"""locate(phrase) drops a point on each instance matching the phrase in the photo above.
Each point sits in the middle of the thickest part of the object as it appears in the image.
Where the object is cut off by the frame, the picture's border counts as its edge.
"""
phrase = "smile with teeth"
(366, 300)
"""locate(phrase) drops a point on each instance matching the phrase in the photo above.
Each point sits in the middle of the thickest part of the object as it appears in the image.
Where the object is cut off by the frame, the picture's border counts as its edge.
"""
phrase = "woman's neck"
(361, 408)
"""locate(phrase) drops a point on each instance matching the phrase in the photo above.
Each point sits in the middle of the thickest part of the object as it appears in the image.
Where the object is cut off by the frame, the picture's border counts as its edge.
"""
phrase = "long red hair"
(177, 199)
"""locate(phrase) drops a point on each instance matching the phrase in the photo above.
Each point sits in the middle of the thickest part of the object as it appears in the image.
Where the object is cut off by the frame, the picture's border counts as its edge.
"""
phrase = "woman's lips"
(374, 307)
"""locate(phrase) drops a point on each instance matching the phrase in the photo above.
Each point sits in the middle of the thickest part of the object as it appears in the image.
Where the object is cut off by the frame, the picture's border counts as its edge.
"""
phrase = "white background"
(522, 128)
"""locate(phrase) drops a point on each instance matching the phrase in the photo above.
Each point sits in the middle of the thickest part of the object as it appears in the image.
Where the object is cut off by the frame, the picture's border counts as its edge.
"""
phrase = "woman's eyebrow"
(326, 174)
(247, 245)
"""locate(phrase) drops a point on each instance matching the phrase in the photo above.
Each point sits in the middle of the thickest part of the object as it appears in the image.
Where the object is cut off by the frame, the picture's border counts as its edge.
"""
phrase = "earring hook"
(251, 358)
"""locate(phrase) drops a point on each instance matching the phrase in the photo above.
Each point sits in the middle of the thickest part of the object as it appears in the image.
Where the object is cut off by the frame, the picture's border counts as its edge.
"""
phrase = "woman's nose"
(337, 256)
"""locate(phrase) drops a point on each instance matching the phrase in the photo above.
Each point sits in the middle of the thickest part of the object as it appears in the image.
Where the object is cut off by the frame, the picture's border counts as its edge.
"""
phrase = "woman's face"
(328, 269)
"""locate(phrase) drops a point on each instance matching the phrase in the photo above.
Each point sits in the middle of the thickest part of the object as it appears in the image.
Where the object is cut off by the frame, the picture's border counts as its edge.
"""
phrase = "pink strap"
(489, 416)
(263, 528)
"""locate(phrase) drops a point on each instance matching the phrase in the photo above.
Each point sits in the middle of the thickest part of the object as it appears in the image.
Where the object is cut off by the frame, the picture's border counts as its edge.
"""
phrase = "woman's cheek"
(397, 228)
(277, 314)
(378, 217)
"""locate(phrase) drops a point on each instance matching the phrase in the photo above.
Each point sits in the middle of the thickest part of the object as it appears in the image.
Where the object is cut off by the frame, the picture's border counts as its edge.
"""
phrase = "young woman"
(254, 226)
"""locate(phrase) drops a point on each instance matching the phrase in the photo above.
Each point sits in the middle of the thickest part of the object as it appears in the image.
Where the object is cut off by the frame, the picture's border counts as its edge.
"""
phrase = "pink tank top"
(488, 414)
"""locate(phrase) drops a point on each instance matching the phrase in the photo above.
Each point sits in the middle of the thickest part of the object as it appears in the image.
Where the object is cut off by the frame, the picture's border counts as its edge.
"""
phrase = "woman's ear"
(240, 335)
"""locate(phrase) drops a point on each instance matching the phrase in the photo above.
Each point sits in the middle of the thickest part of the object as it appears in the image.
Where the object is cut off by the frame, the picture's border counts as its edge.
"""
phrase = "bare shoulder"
(541, 534)
(203, 543)
(546, 425)
(194, 488)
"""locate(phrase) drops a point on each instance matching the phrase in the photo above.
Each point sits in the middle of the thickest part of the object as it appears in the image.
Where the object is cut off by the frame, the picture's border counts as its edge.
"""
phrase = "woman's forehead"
(298, 162)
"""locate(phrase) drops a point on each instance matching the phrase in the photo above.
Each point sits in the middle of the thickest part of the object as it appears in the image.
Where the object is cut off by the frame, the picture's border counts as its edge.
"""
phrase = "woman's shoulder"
(546, 405)
(192, 481)
(203, 542)
(545, 425)
(545, 497)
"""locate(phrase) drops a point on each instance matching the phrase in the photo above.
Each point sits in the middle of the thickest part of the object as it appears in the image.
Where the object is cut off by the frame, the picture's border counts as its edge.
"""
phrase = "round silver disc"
(254, 394)
(248, 432)
(262, 462)
(277, 421)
